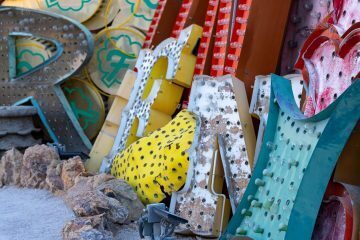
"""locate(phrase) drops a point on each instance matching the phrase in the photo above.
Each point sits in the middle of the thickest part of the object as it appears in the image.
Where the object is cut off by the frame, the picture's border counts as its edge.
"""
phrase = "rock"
(70, 170)
(53, 176)
(126, 231)
(36, 161)
(117, 213)
(10, 167)
(61, 174)
(124, 193)
(86, 228)
(40, 167)
(83, 199)
(88, 183)
(103, 194)
(89, 203)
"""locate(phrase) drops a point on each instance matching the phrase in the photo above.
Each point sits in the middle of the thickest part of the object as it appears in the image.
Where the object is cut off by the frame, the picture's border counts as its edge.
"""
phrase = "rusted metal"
(41, 85)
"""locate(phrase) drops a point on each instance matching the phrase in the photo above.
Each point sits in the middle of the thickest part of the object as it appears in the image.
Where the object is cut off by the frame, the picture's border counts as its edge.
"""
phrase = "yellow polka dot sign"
(156, 166)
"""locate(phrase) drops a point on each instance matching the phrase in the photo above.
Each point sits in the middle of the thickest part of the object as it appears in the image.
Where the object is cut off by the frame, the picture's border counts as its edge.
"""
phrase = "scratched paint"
(223, 128)
(347, 13)
(332, 67)
(260, 102)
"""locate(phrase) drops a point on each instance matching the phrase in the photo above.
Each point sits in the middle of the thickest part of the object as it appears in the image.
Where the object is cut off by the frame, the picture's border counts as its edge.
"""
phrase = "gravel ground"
(34, 214)
(31, 214)
(130, 232)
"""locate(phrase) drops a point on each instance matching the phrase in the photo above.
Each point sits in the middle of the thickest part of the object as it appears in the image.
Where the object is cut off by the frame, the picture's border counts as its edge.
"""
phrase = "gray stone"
(71, 168)
(103, 194)
(131, 231)
(86, 228)
(123, 192)
(53, 176)
(10, 167)
(36, 161)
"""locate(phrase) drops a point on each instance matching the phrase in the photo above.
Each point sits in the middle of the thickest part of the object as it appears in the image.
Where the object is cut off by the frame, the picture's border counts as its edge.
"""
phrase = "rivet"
(293, 163)
(251, 197)
(241, 231)
(268, 203)
(258, 229)
(283, 227)
(308, 6)
(256, 204)
(259, 182)
(246, 212)
(295, 19)
(267, 172)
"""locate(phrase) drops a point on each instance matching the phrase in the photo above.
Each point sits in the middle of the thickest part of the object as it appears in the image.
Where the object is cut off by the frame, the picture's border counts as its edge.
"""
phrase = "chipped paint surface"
(332, 67)
(347, 13)
(215, 101)
(139, 108)
(260, 101)
(259, 105)
(304, 17)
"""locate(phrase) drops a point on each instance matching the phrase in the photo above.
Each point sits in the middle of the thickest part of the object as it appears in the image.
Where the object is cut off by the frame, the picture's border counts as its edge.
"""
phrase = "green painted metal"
(294, 166)
(32, 101)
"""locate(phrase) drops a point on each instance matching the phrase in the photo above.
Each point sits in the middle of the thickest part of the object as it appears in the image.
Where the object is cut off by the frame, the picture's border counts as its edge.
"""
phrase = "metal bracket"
(158, 223)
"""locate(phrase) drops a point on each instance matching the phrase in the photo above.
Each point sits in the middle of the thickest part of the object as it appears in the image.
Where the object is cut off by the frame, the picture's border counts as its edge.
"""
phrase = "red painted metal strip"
(222, 33)
(154, 23)
(237, 37)
(181, 18)
(206, 36)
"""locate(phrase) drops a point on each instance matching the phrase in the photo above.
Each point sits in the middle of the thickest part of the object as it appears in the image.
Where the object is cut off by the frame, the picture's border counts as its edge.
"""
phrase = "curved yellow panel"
(169, 94)
(157, 165)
